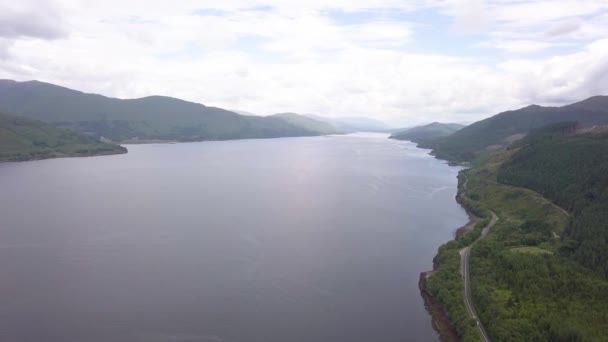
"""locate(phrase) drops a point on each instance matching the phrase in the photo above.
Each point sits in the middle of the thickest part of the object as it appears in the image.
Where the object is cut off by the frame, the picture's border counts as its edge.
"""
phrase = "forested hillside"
(427, 134)
(501, 129)
(541, 274)
(353, 124)
(308, 123)
(524, 288)
(148, 118)
(572, 171)
(24, 139)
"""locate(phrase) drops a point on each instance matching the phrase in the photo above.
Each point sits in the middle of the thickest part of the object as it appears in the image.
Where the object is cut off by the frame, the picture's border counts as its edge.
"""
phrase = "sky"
(402, 62)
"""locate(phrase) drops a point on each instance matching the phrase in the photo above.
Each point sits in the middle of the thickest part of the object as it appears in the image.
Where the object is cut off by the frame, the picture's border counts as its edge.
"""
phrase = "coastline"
(441, 321)
(440, 318)
(68, 155)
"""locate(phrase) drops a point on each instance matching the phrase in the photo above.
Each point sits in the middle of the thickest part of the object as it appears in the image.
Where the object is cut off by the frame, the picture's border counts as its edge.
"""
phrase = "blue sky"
(403, 62)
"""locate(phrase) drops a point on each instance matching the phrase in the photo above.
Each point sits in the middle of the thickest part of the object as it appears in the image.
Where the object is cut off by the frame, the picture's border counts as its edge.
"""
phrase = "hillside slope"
(25, 139)
(426, 134)
(153, 117)
(572, 171)
(541, 273)
(353, 124)
(473, 140)
(308, 123)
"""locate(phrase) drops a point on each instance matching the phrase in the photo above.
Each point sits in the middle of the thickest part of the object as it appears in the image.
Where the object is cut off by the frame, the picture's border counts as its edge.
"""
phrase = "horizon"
(315, 116)
(396, 62)
(289, 170)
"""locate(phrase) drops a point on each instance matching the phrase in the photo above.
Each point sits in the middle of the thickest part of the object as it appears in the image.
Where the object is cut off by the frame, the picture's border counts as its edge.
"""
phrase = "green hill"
(572, 171)
(353, 124)
(541, 273)
(25, 139)
(148, 118)
(501, 129)
(308, 123)
(424, 135)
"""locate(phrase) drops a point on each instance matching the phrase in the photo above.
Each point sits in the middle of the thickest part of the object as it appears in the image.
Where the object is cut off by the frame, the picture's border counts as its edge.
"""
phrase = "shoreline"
(440, 319)
(75, 155)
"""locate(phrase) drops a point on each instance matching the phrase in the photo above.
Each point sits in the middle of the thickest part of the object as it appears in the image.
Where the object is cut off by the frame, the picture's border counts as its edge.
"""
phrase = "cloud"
(532, 13)
(30, 19)
(286, 55)
(519, 46)
(561, 79)
(469, 15)
(4, 47)
(563, 28)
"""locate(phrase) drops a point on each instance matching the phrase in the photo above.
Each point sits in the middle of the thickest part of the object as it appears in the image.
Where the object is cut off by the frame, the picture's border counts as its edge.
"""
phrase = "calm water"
(299, 239)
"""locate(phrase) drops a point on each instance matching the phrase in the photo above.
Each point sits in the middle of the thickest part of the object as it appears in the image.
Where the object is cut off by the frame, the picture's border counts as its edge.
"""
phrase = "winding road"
(464, 270)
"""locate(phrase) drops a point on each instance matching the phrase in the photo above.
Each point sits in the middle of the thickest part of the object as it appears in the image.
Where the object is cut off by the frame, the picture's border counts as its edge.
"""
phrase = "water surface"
(297, 239)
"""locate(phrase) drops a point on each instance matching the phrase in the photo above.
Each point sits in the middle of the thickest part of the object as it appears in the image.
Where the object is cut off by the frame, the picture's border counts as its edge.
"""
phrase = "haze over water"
(296, 239)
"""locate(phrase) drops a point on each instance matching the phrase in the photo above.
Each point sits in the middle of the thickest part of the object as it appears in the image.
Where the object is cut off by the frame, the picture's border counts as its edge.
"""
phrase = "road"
(464, 270)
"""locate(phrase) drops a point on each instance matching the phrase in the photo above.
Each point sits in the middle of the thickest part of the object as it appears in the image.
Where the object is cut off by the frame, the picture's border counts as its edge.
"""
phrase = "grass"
(523, 289)
(26, 139)
(530, 250)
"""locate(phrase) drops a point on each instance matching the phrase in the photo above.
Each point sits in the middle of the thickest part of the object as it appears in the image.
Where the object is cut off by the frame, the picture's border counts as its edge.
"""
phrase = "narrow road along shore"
(464, 270)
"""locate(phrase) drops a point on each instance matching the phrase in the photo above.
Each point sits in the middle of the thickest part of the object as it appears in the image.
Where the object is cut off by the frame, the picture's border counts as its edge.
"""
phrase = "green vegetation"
(525, 287)
(25, 139)
(572, 171)
(427, 134)
(149, 118)
(308, 123)
(502, 129)
(541, 274)
(445, 284)
(530, 250)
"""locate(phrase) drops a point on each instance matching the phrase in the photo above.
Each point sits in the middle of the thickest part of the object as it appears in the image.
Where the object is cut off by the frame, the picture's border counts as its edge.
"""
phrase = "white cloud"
(561, 79)
(519, 46)
(469, 15)
(563, 28)
(292, 56)
(27, 18)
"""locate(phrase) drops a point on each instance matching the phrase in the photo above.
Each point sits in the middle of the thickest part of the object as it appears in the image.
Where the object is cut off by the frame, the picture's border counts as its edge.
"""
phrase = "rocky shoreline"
(440, 319)
(439, 315)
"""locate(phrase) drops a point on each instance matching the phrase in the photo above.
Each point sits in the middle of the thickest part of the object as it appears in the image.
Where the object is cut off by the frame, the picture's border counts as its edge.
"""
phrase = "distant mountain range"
(25, 139)
(502, 129)
(148, 118)
(309, 123)
(353, 124)
(427, 133)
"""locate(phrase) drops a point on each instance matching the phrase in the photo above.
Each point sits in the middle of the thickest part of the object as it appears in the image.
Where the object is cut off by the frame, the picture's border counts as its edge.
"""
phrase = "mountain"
(506, 127)
(572, 171)
(549, 248)
(397, 130)
(25, 139)
(353, 124)
(308, 123)
(423, 135)
(148, 118)
(243, 112)
(544, 173)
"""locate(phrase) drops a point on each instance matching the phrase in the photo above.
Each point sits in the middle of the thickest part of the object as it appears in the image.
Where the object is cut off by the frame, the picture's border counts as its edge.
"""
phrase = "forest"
(26, 139)
(572, 171)
(500, 130)
(539, 275)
